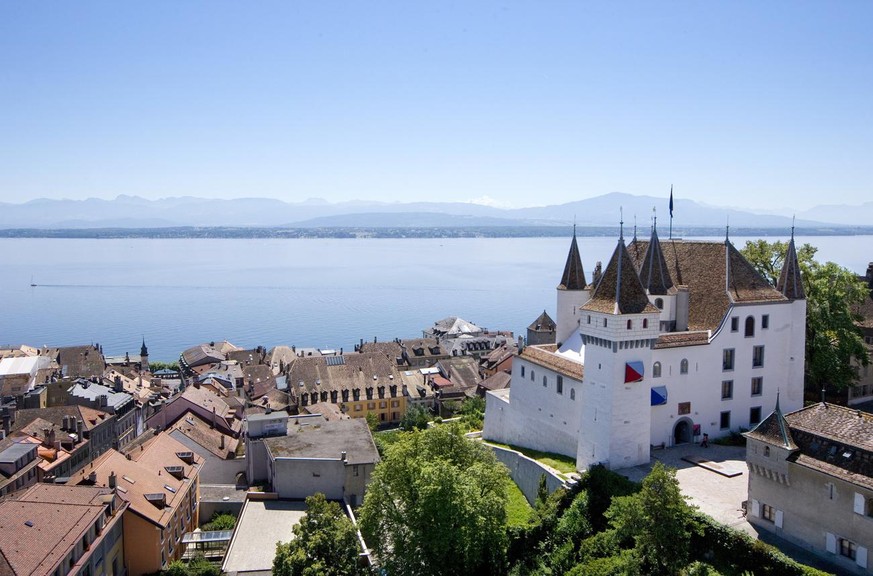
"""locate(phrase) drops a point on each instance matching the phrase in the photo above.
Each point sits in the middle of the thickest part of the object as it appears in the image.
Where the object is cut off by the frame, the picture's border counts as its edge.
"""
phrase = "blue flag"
(671, 200)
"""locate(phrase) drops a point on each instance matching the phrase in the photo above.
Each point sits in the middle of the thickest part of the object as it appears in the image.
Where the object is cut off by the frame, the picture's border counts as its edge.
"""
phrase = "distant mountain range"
(136, 212)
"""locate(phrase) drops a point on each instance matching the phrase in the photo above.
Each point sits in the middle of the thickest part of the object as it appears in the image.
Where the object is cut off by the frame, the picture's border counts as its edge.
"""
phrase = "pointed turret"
(144, 357)
(653, 272)
(619, 290)
(774, 429)
(143, 351)
(572, 293)
(790, 282)
(574, 275)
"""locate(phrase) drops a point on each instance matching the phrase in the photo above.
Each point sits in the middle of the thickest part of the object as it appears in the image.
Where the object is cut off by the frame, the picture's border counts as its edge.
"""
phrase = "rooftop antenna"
(654, 218)
(793, 217)
(635, 227)
(727, 229)
(621, 223)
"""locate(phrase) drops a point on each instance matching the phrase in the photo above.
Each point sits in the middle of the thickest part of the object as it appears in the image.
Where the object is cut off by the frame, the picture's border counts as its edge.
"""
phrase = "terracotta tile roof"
(679, 339)
(58, 518)
(543, 323)
(545, 356)
(327, 410)
(790, 283)
(145, 474)
(619, 290)
(90, 417)
(205, 435)
(463, 371)
(259, 380)
(573, 277)
(497, 381)
(774, 429)
(701, 266)
(81, 361)
(834, 440)
(653, 271)
(356, 371)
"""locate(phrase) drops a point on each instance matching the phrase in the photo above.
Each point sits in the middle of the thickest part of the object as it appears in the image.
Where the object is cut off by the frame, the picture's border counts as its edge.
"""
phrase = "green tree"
(437, 505)
(659, 521)
(833, 340)
(220, 521)
(472, 412)
(416, 418)
(372, 421)
(325, 543)
(197, 566)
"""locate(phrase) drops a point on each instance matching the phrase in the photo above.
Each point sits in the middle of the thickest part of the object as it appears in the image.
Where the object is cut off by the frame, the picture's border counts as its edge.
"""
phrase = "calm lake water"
(321, 293)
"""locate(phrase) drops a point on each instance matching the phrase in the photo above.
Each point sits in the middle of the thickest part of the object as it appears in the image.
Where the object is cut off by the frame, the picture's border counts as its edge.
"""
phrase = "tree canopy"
(436, 504)
(326, 543)
(833, 340)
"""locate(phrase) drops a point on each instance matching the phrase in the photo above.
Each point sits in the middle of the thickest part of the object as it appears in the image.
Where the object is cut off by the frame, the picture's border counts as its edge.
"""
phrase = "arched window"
(629, 324)
(683, 366)
(767, 451)
(589, 318)
(604, 322)
(522, 371)
(572, 393)
(750, 326)
(532, 376)
(645, 322)
(656, 370)
(659, 303)
(545, 382)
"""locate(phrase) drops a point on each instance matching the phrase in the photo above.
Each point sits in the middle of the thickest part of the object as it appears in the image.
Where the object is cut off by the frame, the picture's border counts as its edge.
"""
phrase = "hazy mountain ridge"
(135, 212)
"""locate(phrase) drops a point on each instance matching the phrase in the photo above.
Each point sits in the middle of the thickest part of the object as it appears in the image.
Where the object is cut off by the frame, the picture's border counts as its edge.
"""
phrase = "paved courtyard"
(718, 496)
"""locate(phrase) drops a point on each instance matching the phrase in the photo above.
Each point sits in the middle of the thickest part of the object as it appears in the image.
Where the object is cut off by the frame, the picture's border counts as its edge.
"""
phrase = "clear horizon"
(523, 104)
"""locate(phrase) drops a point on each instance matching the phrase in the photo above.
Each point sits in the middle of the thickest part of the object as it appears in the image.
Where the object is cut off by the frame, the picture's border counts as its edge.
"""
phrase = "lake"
(325, 293)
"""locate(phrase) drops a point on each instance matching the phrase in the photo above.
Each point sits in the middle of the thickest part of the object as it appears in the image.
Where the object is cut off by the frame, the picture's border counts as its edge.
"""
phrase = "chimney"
(213, 417)
(117, 385)
(79, 426)
(66, 423)
(343, 456)
(7, 422)
(92, 477)
(221, 446)
(682, 297)
(520, 344)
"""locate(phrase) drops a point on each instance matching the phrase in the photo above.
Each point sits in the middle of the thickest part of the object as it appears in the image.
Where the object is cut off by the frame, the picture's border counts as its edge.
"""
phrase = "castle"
(673, 340)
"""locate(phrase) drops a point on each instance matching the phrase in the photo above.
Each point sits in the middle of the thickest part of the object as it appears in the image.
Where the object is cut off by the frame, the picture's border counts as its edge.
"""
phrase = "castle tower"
(144, 357)
(572, 293)
(790, 284)
(619, 327)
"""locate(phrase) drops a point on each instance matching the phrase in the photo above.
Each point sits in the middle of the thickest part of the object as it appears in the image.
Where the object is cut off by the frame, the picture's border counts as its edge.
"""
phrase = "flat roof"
(16, 451)
(327, 440)
(261, 525)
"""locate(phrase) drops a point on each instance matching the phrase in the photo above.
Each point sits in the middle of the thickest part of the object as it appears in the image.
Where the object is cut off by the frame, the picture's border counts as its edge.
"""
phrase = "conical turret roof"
(574, 275)
(790, 283)
(619, 290)
(653, 272)
(774, 430)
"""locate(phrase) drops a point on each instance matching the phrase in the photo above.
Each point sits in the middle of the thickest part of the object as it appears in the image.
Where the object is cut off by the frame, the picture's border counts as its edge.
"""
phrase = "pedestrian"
(705, 442)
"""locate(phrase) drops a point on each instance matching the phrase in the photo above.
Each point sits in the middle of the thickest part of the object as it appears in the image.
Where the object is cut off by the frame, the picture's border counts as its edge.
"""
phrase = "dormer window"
(659, 303)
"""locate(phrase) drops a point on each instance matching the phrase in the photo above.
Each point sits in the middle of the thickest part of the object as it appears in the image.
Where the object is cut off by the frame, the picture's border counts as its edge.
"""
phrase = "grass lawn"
(561, 463)
(518, 511)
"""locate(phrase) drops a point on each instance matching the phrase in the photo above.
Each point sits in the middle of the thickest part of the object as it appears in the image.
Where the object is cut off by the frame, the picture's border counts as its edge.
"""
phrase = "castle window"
(727, 389)
(757, 356)
(545, 381)
(750, 326)
(560, 385)
(768, 512)
(765, 321)
(656, 370)
(532, 376)
(725, 420)
(848, 549)
(659, 303)
(629, 324)
(572, 393)
(683, 366)
(735, 324)
(604, 322)
(757, 386)
(754, 415)
(589, 318)
(522, 371)
(645, 322)
(727, 359)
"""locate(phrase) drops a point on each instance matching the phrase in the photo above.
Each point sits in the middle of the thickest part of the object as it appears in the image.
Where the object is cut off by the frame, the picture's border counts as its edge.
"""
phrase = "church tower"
(572, 293)
(144, 357)
(619, 327)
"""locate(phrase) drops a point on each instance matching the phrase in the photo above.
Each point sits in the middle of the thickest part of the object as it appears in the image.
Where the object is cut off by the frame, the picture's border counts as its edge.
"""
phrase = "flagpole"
(671, 211)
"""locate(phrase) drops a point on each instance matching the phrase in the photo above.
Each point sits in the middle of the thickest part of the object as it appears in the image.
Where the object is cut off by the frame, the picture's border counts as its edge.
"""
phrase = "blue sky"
(752, 104)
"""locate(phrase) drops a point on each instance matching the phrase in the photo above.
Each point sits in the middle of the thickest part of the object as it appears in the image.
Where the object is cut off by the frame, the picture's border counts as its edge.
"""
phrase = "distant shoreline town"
(341, 232)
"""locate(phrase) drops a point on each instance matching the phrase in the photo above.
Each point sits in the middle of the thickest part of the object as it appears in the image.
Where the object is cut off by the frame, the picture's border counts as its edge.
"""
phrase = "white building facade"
(672, 341)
